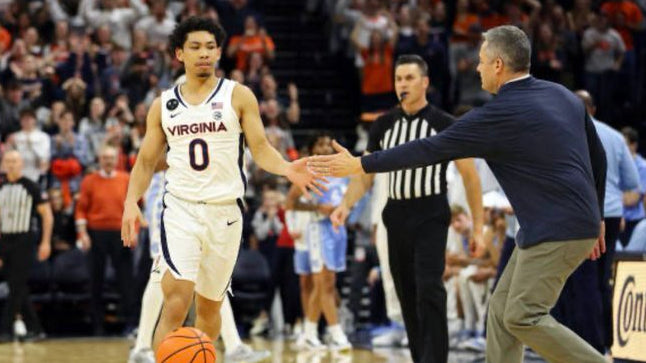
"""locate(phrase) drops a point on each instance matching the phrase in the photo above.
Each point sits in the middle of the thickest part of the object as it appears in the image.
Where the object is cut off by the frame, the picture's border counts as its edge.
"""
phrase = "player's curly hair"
(314, 138)
(178, 37)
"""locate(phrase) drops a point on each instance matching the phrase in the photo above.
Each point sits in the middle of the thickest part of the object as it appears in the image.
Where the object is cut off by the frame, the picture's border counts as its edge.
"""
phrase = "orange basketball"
(186, 345)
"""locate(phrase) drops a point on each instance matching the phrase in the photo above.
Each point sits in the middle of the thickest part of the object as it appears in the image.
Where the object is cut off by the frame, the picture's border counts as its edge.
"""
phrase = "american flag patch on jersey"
(216, 105)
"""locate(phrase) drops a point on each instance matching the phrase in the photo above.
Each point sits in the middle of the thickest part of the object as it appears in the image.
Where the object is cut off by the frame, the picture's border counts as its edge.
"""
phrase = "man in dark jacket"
(544, 150)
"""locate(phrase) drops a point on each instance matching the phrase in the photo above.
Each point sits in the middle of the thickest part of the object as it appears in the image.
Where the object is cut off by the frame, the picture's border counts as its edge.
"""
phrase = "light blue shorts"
(325, 247)
(302, 262)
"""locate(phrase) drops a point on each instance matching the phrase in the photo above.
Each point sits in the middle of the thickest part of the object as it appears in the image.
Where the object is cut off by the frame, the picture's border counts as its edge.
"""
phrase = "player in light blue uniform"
(320, 254)
(327, 245)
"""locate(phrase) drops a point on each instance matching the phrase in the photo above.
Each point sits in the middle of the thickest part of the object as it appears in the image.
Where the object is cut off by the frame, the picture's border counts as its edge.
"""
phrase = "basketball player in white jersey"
(235, 350)
(203, 123)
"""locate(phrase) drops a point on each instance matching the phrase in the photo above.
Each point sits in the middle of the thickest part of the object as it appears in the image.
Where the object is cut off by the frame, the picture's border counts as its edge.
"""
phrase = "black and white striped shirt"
(18, 205)
(395, 128)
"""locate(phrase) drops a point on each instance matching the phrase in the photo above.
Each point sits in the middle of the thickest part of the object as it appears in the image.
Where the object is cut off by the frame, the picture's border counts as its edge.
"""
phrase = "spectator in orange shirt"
(254, 40)
(5, 39)
(376, 87)
(626, 17)
(98, 221)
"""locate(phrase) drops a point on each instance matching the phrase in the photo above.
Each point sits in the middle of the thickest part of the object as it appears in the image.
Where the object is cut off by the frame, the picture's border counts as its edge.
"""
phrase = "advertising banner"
(629, 311)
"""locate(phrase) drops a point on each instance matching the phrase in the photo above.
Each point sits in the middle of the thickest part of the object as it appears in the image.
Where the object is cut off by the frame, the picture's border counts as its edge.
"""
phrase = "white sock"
(151, 305)
(229, 332)
(336, 332)
(299, 329)
(311, 329)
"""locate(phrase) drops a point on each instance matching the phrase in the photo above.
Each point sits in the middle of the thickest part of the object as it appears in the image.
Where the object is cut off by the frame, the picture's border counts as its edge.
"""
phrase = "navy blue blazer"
(542, 147)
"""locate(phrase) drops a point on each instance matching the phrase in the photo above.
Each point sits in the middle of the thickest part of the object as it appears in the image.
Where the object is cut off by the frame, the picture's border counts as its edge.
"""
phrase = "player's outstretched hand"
(131, 215)
(339, 215)
(340, 164)
(300, 175)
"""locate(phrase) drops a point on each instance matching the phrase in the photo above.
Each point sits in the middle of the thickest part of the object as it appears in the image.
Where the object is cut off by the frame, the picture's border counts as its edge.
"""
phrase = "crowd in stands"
(582, 44)
(77, 75)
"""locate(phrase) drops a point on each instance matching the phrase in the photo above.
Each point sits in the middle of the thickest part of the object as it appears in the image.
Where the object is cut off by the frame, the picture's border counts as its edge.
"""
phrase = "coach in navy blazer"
(543, 149)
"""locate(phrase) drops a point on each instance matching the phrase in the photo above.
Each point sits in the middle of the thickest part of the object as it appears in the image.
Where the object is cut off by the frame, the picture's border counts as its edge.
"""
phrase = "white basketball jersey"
(206, 145)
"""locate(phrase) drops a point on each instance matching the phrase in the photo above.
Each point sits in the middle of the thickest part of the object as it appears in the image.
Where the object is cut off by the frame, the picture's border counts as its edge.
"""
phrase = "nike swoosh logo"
(230, 223)
(175, 114)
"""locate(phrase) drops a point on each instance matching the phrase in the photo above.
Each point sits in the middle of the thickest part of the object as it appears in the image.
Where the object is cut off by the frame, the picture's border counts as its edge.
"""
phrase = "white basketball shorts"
(200, 243)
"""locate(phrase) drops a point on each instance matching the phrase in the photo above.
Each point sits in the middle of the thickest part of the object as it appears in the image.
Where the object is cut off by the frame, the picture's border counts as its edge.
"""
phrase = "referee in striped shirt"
(20, 201)
(417, 215)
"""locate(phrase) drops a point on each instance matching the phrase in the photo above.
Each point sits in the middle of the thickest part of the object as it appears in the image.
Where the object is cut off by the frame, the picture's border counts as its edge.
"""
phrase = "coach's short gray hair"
(511, 44)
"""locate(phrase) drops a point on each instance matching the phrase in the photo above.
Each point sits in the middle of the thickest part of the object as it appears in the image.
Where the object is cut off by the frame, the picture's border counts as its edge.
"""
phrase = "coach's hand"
(299, 174)
(600, 247)
(339, 215)
(131, 214)
(339, 165)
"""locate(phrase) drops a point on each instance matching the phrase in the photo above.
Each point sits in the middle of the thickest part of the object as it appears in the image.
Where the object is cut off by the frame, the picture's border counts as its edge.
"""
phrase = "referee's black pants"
(417, 232)
(18, 253)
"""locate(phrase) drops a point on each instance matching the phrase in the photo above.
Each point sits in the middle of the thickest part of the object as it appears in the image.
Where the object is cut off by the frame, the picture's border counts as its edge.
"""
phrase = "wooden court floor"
(115, 350)
(92, 350)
